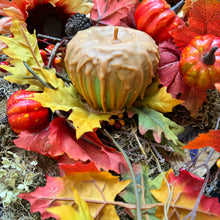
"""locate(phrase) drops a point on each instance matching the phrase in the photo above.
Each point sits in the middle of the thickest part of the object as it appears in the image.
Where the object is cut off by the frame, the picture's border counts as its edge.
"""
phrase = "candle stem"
(115, 38)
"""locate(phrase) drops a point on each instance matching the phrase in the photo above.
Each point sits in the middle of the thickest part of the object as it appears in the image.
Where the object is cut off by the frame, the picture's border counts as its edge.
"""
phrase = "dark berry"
(117, 125)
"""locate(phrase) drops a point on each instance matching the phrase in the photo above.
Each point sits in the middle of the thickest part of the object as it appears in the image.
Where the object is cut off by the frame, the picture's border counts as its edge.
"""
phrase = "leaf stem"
(36, 76)
(138, 205)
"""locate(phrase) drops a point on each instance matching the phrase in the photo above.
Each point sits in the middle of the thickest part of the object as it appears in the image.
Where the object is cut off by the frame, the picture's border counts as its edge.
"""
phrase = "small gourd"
(200, 62)
(111, 66)
(26, 114)
(156, 18)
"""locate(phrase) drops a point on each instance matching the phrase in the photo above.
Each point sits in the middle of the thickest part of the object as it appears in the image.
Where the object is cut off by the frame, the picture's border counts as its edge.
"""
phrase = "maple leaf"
(110, 12)
(205, 140)
(145, 184)
(98, 189)
(149, 119)
(186, 188)
(83, 120)
(67, 212)
(204, 16)
(171, 78)
(59, 141)
(158, 99)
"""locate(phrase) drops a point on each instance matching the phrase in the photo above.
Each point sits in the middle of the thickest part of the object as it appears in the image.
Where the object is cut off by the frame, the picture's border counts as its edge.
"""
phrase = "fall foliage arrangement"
(109, 75)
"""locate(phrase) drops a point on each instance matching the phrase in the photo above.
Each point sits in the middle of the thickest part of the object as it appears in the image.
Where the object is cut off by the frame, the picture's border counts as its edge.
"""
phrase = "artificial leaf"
(59, 140)
(158, 99)
(186, 188)
(205, 140)
(145, 184)
(204, 16)
(111, 12)
(149, 119)
(98, 189)
(66, 98)
(67, 212)
(23, 45)
(171, 78)
(85, 121)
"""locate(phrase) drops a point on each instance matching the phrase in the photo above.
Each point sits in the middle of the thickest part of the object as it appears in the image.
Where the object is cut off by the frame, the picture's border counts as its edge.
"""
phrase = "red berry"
(43, 54)
(117, 125)
(50, 47)
(56, 60)
(4, 63)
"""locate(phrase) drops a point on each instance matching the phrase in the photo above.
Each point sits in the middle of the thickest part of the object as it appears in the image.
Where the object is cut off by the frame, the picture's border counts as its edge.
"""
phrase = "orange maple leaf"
(204, 140)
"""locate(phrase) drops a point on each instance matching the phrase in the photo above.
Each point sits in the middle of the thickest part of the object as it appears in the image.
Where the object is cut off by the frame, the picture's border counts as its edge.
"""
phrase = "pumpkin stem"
(209, 58)
(178, 6)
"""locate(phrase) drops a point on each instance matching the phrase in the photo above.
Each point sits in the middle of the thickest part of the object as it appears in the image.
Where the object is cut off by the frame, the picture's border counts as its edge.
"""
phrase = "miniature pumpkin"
(26, 114)
(155, 18)
(200, 62)
(111, 66)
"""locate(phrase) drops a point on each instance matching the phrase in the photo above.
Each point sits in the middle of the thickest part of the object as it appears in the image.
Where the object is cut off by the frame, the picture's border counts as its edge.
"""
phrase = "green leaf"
(145, 184)
(149, 119)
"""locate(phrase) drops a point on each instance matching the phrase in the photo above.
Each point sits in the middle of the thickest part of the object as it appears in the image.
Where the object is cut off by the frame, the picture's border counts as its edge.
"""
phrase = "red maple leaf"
(60, 142)
(204, 140)
(110, 12)
(171, 78)
(204, 17)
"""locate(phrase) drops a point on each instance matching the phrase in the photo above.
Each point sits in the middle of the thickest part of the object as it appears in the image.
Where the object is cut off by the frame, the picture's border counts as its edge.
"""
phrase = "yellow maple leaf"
(67, 212)
(158, 99)
(66, 98)
(23, 45)
(85, 121)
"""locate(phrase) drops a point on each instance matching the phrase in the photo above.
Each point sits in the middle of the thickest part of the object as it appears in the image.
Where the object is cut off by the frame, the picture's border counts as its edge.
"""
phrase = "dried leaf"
(205, 140)
(60, 141)
(204, 16)
(186, 188)
(96, 188)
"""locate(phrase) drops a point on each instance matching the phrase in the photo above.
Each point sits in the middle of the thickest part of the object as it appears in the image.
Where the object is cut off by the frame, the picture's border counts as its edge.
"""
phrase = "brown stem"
(176, 8)
(209, 58)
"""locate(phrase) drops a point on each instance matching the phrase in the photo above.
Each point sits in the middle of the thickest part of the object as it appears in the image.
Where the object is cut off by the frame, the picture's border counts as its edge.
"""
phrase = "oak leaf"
(98, 189)
(205, 140)
(60, 143)
(186, 188)
(111, 12)
(204, 16)
(158, 99)
(149, 119)
(67, 212)
(144, 186)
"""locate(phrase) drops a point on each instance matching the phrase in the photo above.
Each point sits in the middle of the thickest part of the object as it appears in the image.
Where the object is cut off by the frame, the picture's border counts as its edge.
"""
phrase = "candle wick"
(115, 38)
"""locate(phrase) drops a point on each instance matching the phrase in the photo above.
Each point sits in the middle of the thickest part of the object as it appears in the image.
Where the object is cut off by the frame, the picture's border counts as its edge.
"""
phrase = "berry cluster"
(116, 122)
(77, 23)
(45, 54)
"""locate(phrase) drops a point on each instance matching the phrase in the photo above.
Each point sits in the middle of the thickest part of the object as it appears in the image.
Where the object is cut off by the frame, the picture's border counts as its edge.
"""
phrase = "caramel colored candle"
(111, 66)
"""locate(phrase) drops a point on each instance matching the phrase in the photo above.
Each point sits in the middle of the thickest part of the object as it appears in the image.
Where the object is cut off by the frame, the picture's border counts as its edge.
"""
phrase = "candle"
(111, 66)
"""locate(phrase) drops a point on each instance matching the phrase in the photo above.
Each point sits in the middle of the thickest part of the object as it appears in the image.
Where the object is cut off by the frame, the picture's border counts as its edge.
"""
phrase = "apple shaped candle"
(111, 66)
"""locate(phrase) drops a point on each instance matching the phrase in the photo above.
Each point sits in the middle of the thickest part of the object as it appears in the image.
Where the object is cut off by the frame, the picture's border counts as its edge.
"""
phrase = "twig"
(48, 37)
(53, 53)
(138, 205)
(37, 77)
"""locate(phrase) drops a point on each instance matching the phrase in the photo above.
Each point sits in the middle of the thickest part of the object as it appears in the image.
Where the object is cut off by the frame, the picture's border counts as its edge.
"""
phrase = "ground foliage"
(76, 165)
